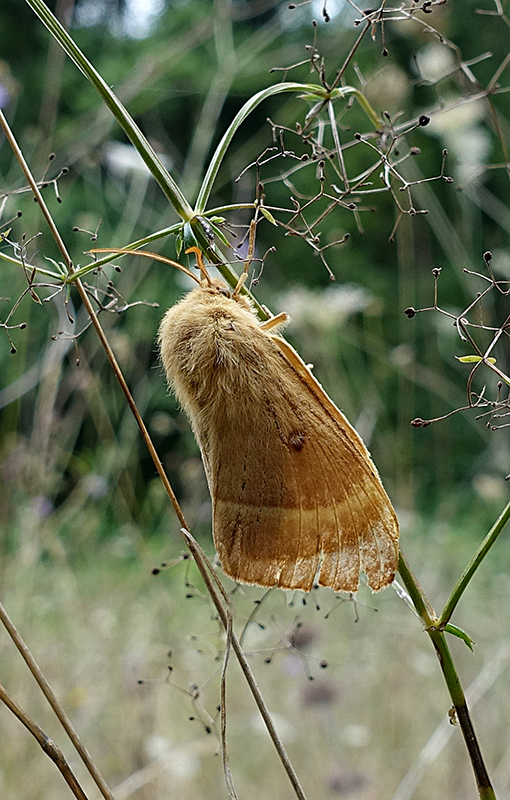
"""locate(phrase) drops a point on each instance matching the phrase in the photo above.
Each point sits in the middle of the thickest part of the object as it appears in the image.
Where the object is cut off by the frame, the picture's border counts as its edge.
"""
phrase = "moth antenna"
(123, 251)
(200, 263)
(249, 259)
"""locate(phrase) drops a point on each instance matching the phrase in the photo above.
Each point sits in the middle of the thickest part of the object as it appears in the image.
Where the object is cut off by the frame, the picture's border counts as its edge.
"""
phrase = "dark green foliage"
(382, 368)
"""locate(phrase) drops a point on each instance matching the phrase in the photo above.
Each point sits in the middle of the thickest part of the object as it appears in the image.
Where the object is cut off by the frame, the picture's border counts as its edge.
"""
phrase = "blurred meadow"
(135, 657)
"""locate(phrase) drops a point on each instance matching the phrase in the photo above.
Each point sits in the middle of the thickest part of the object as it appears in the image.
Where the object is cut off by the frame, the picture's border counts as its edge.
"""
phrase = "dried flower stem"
(47, 744)
(54, 703)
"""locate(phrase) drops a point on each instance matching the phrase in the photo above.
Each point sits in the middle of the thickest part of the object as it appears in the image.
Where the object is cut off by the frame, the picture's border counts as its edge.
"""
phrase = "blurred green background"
(83, 516)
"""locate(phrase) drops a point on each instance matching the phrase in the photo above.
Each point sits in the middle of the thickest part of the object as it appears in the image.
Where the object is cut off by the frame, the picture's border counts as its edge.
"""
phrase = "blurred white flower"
(463, 136)
(141, 17)
(434, 62)
(458, 119)
(356, 735)
(121, 159)
(96, 486)
(285, 730)
(162, 423)
(402, 356)
(329, 308)
(490, 487)
(387, 89)
(183, 763)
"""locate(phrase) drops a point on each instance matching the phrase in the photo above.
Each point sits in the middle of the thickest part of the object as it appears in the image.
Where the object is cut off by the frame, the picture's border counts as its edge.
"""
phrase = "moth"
(296, 498)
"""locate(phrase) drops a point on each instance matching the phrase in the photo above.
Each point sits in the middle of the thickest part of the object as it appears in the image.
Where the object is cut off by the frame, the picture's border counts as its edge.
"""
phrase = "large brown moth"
(296, 498)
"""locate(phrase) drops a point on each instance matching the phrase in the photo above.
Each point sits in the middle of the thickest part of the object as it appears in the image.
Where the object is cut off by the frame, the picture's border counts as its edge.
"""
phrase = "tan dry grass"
(99, 627)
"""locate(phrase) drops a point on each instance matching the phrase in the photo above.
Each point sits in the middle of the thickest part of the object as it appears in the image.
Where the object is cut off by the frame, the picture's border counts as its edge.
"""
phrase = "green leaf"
(58, 265)
(267, 214)
(309, 91)
(455, 631)
(474, 359)
(313, 98)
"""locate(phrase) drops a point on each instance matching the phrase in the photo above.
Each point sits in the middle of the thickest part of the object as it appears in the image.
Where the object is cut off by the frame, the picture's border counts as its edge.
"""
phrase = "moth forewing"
(296, 498)
(370, 523)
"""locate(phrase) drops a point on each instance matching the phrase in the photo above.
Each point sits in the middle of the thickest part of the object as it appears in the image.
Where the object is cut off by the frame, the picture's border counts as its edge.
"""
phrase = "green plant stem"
(485, 790)
(18, 263)
(80, 272)
(430, 621)
(125, 120)
(309, 90)
(473, 565)
(418, 596)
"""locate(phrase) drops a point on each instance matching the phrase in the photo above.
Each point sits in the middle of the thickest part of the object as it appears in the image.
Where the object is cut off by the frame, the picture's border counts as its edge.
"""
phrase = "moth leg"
(273, 322)
(240, 283)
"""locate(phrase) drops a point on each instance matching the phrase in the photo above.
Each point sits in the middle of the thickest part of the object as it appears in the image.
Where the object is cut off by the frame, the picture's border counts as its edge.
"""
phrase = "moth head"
(217, 287)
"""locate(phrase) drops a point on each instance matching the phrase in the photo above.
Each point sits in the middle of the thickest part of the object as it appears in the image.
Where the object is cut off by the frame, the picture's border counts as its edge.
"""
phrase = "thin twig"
(209, 579)
(54, 702)
(229, 781)
(47, 744)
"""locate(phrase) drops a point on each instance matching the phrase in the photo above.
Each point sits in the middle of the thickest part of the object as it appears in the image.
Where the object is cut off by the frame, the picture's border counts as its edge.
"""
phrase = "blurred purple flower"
(41, 506)
(4, 96)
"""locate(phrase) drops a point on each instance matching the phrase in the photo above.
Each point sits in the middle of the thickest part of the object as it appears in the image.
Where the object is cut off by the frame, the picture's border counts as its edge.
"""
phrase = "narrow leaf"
(474, 359)
(268, 216)
(219, 233)
(455, 631)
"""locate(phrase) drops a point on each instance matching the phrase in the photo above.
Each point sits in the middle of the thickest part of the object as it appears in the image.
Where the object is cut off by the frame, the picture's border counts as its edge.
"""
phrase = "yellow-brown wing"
(298, 498)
